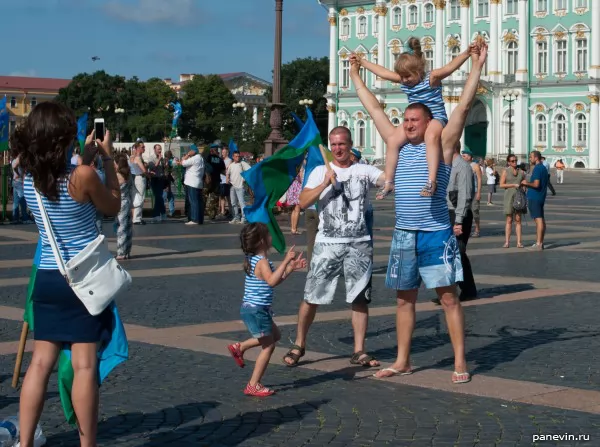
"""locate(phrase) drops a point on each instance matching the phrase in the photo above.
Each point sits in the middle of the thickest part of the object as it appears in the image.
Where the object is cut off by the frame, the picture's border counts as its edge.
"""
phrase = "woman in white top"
(138, 170)
(491, 179)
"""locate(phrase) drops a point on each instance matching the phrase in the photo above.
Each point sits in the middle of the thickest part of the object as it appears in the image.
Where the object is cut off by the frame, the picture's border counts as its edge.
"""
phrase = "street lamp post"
(239, 106)
(276, 140)
(510, 96)
(119, 112)
(306, 102)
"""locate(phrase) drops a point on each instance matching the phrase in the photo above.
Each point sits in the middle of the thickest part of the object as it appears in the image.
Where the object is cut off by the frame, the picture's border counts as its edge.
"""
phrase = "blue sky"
(147, 38)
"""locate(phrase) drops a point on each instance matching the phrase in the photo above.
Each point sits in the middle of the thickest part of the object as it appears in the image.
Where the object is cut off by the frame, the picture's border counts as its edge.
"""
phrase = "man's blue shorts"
(536, 208)
(428, 256)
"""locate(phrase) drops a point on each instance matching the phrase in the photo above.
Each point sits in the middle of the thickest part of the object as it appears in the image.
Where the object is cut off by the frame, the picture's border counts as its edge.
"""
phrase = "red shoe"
(237, 354)
(258, 391)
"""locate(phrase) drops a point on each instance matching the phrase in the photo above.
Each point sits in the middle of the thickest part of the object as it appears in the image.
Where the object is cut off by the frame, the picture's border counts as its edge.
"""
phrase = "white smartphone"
(99, 128)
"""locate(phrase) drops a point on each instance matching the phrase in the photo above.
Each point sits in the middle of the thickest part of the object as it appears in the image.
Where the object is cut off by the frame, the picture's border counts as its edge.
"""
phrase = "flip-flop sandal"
(458, 378)
(520, 246)
(364, 361)
(395, 372)
(506, 246)
(292, 355)
(237, 355)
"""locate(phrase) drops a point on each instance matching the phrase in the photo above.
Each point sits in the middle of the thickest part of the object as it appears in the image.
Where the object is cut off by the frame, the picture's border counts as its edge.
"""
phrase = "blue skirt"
(59, 316)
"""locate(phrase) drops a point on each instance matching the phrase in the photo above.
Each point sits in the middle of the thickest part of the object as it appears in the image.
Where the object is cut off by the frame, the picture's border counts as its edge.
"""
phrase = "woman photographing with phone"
(70, 196)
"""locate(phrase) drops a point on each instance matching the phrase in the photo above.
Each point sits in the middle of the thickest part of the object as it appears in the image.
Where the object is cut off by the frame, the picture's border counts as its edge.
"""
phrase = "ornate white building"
(539, 90)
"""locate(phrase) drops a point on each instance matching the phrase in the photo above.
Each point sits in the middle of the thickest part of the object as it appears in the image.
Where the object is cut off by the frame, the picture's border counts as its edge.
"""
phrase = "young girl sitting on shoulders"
(261, 277)
(426, 88)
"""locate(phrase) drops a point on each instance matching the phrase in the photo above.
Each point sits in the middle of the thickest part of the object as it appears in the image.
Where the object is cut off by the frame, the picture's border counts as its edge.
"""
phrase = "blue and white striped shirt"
(430, 96)
(73, 223)
(257, 291)
(414, 212)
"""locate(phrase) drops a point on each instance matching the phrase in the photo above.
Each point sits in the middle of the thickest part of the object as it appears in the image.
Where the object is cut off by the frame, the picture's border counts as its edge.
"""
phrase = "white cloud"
(31, 73)
(180, 12)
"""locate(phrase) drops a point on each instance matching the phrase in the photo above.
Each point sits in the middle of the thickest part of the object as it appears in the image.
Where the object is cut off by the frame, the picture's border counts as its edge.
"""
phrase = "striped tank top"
(430, 96)
(414, 212)
(73, 223)
(257, 291)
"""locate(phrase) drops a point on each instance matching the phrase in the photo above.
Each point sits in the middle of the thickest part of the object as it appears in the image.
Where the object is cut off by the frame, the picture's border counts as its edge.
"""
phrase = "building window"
(361, 132)
(397, 16)
(363, 74)
(511, 6)
(561, 130)
(362, 25)
(454, 10)
(581, 130)
(541, 6)
(374, 59)
(560, 5)
(561, 56)
(541, 126)
(345, 82)
(413, 15)
(33, 102)
(13, 102)
(483, 8)
(375, 24)
(396, 121)
(429, 13)
(428, 60)
(454, 52)
(345, 28)
(512, 50)
(344, 123)
(582, 55)
(542, 58)
(581, 3)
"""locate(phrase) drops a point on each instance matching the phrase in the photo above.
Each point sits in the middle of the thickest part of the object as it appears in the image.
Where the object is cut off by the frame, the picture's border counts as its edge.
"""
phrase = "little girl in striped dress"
(256, 313)
(426, 88)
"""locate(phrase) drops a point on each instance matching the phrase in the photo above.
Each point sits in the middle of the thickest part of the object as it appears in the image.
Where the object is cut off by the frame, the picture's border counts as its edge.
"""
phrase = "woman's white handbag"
(94, 274)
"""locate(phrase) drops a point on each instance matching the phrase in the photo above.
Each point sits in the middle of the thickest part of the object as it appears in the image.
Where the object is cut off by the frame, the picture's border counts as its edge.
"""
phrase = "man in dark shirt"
(215, 166)
(536, 196)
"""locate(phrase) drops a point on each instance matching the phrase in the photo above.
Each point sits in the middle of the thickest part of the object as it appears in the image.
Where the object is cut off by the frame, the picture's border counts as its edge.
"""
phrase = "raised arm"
(383, 124)
(456, 124)
(378, 70)
(438, 75)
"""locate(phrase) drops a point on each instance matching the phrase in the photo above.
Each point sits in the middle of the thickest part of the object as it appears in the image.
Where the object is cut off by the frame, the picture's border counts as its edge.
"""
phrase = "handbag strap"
(50, 234)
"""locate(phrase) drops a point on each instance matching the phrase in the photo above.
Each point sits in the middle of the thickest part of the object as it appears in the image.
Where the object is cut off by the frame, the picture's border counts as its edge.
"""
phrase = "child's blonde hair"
(411, 61)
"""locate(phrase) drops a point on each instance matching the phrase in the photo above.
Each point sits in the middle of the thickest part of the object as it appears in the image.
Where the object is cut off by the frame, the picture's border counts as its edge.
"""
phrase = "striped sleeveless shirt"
(430, 96)
(73, 223)
(257, 291)
(414, 212)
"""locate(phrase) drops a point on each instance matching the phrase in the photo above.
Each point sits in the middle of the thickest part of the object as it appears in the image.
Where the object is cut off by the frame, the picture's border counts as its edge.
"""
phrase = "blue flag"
(272, 177)
(177, 111)
(82, 130)
(232, 148)
(4, 125)
(298, 121)
(314, 157)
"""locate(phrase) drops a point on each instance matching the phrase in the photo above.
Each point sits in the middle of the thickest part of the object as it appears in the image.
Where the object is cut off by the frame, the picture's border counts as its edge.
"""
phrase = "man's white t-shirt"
(194, 171)
(235, 173)
(342, 209)
(227, 162)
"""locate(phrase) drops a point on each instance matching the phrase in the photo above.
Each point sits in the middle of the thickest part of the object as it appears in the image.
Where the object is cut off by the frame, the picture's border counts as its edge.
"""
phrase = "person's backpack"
(520, 200)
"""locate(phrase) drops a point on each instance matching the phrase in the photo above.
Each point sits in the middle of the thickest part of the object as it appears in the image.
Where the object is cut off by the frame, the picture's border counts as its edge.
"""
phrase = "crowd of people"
(437, 188)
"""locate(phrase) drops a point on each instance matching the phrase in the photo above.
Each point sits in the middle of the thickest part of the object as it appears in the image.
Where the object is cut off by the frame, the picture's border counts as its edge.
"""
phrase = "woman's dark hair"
(90, 152)
(253, 237)
(511, 156)
(123, 166)
(169, 155)
(42, 143)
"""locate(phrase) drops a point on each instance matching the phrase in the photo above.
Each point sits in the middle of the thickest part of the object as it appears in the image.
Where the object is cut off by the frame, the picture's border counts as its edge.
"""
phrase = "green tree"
(305, 78)
(206, 108)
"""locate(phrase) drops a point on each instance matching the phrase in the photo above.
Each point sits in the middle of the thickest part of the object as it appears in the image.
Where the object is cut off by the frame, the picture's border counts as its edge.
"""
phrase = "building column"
(332, 118)
(595, 65)
(465, 30)
(523, 54)
(379, 144)
(333, 56)
(381, 10)
(521, 120)
(494, 54)
(594, 155)
(440, 5)
(254, 115)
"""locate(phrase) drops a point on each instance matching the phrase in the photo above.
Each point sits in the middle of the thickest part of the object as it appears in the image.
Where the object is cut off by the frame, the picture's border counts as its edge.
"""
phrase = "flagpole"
(20, 352)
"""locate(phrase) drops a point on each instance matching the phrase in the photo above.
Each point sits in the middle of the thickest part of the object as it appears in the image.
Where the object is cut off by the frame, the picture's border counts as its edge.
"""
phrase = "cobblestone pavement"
(532, 343)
